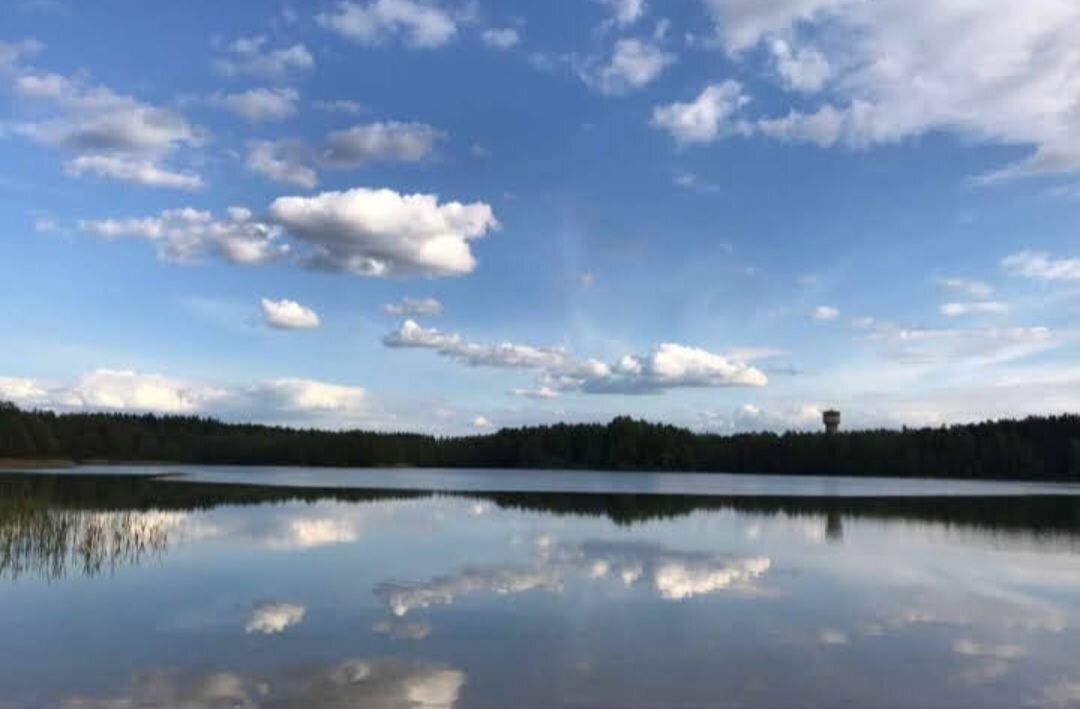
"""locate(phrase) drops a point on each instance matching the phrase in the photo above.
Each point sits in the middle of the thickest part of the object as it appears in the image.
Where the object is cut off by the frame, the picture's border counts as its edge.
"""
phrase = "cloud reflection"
(351, 683)
(270, 618)
(672, 575)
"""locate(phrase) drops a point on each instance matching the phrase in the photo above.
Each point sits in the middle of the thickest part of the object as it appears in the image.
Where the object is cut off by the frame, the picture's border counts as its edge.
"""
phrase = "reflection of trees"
(88, 524)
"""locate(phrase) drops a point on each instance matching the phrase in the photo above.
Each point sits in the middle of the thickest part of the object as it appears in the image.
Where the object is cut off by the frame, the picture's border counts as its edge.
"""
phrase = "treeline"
(1035, 448)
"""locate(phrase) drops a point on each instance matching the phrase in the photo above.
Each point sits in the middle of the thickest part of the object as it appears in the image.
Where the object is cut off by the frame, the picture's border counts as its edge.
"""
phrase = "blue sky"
(454, 216)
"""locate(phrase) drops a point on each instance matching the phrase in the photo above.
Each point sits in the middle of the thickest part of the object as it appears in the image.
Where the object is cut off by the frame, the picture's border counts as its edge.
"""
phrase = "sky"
(453, 216)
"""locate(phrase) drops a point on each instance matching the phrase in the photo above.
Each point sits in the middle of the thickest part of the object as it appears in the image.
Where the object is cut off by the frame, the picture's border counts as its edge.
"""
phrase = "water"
(118, 591)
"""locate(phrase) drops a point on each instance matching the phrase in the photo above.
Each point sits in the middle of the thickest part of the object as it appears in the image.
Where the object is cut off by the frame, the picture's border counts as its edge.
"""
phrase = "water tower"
(831, 419)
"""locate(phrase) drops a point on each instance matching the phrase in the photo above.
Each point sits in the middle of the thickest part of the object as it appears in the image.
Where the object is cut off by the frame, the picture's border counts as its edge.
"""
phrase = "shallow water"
(119, 592)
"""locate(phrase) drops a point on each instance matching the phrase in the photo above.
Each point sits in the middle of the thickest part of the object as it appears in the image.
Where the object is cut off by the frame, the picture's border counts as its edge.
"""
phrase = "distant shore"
(1043, 448)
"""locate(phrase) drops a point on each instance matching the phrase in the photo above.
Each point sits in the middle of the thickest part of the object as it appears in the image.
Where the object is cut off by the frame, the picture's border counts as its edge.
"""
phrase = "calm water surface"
(118, 592)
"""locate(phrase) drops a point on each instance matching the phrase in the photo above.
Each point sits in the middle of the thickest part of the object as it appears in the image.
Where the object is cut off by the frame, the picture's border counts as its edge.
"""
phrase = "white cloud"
(707, 117)
(419, 25)
(294, 162)
(288, 315)
(309, 395)
(414, 306)
(272, 618)
(984, 307)
(12, 53)
(126, 390)
(977, 346)
(188, 235)
(282, 161)
(286, 399)
(137, 171)
(107, 134)
(802, 69)
(1042, 266)
(995, 71)
(967, 287)
(22, 391)
(501, 38)
(625, 12)
(825, 312)
(482, 422)
(633, 64)
(384, 233)
(250, 56)
(542, 392)
(259, 105)
(382, 141)
(751, 418)
(667, 366)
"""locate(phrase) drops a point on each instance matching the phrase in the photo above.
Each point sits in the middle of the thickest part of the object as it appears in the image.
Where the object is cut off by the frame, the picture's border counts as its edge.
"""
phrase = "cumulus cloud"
(625, 12)
(295, 162)
(251, 56)
(284, 161)
(825, 312)
(369, 232)
(106, 134)
(379, 142)
(501, 38)
(307, 395)
(259, 105)
(667, 366)
(137, 171)
(633, 64)
(188, 235)
(417, 24)
(982, 307)
(710, 116)
(127, 390)
(271, 618)
(384, 233)
(23, 391)
(482, 422)
(414, 306)
(1041, 266)
(288, 315)
(287, 398)
(752, 418)
(994, 71)
(803, 69)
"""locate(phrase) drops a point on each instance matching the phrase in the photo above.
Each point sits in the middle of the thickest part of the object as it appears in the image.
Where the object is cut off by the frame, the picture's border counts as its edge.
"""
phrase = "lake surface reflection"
(122, 591)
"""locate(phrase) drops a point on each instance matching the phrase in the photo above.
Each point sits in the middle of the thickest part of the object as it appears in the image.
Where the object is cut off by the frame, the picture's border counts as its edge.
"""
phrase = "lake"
(385, 589)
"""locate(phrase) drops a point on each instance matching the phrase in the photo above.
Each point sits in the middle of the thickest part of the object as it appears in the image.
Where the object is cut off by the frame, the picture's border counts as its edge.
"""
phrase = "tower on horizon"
(831, 419)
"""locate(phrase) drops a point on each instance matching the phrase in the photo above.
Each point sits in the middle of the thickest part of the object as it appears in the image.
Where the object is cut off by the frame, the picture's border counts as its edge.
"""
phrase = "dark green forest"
(1036, 448)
